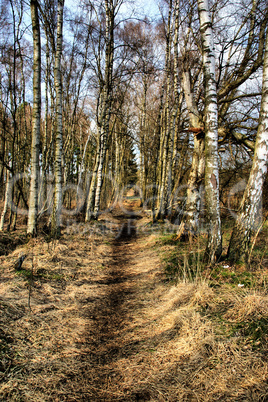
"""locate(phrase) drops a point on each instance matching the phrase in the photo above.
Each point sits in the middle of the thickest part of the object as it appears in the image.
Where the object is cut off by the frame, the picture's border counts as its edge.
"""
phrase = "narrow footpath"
(104, 325)
(111, 314)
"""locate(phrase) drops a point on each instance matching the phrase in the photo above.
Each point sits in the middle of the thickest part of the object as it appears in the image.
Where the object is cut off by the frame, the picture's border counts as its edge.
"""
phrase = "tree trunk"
(157, 146)
(56, 215)
(33, 200)
(250, 213)
(164, 190)
(190, 221)
(142, 141)
(45, 154)
(103, 142)
(214, 244)
(178, 98)
(105, 104)
(8, 197)
(92, 188)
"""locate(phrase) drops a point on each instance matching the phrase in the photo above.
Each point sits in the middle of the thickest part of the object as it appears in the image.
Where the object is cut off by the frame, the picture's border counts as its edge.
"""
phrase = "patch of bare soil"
(9, 242)
(90, 318)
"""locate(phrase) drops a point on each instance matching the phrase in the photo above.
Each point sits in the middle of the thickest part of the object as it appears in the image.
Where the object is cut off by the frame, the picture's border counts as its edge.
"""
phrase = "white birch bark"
(103, 141)
(8, 196)
(142, 141)
(250, 213)
(92, 188)
(190, 222)
(117, 168)
(106, 100)
(165, 143)
(35, 151)
(214, 244)
(56, 215)
(178, 97)
(157, 164)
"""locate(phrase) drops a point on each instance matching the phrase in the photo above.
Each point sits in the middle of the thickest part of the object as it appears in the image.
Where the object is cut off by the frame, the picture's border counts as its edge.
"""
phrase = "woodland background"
(97, 97)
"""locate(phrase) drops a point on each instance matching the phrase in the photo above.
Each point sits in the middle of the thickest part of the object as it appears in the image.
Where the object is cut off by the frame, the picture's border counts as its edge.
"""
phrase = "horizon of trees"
(94, 100)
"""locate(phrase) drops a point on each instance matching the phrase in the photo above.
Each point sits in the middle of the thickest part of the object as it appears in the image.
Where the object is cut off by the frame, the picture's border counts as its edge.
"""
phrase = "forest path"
(104, 324)
(90, 331)
(111, 315)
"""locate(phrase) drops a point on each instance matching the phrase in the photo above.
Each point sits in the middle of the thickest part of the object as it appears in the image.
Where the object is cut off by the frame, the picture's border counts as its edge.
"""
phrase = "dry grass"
(251, 307)
(104, 325)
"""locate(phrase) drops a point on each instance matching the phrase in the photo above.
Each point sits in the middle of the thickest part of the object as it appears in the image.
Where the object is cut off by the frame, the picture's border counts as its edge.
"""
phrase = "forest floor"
(116, 310)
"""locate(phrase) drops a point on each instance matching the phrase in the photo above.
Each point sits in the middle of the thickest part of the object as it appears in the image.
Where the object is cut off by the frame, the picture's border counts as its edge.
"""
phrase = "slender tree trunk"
(56, 215)
(163, 173)
(214, 244)
(177, 105)
(92, 188)
(117, 168)
(142, 141)
(164, 192)
(3, 118)
(103, 142)
(33, 200)
(13, 103)
(190, 221)
(45, 151)
(157, 146)
(8, 196)
(106, 100)
(250, 213)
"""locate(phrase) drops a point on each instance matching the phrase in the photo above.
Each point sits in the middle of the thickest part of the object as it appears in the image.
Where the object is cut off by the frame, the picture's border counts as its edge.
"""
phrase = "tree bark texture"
(8, 199)
(190, 221)
(103, 114)
(250, 213)
(164, 191)
(56, 215)
(106, 99)
(35, 151)
(214, 244)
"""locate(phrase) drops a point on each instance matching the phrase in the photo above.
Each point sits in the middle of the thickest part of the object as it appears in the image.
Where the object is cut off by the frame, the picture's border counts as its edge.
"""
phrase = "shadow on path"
(110, 315)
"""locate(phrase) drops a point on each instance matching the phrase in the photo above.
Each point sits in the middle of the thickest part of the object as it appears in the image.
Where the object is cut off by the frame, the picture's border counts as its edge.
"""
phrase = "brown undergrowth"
(91, 317)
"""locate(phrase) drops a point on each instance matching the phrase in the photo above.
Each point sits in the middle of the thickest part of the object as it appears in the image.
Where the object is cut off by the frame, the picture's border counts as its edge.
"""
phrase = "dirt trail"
(111, 316)
(81, 340)
(105, 325)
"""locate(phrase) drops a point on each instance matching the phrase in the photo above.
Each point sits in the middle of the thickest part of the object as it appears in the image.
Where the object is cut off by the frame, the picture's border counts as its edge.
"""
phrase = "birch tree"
(103, 112)
(190, 221)
(8, 197)
(33, 200)
(56, 215)
(214, 243)
(250, 212)
(106, 97)
(237, 63)
(164, 191)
